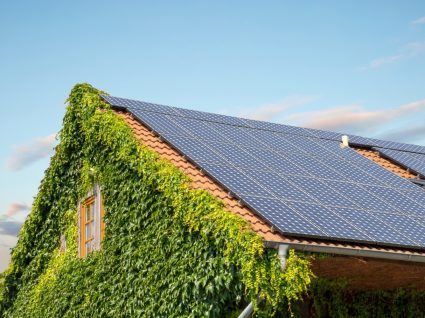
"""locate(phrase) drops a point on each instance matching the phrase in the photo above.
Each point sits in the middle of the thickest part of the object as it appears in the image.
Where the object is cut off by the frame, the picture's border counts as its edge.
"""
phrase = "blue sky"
(353, 66)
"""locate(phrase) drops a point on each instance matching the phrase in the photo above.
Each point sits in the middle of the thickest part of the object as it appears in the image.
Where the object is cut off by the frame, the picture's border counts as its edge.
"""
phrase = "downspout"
(282, 253)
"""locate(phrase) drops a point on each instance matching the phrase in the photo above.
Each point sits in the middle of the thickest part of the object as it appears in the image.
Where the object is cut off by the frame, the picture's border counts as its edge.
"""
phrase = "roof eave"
(350, 251)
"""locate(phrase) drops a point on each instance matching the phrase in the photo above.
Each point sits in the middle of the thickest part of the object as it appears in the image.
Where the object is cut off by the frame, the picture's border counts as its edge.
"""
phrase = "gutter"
(282, 252)
(347, 251)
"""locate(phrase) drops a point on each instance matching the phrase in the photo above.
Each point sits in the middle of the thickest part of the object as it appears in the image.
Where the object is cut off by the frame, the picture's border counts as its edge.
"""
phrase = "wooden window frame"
(91, 204)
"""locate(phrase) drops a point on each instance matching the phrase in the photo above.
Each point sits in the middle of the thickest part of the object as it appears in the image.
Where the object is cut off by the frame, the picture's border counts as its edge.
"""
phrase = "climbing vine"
(332, 298)
(169, 250)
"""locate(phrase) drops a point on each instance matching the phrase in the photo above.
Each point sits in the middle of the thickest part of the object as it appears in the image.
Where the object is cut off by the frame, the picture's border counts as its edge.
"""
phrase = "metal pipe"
(282, 252)
(247, 311)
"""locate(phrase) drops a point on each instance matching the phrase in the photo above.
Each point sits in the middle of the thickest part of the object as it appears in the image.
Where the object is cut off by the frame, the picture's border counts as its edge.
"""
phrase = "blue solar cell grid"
(298, 179)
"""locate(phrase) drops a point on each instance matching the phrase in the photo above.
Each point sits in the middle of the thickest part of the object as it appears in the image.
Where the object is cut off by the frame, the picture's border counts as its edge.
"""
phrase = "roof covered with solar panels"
(301, 181)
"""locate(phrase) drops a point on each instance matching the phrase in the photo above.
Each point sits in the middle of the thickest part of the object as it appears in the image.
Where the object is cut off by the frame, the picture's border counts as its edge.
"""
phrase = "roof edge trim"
(349, 251)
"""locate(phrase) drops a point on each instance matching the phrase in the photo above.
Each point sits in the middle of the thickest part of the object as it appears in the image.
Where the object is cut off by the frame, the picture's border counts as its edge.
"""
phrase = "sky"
(351, 66)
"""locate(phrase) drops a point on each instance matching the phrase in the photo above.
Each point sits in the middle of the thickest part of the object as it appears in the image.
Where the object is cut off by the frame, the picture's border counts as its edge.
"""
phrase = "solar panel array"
(300, 180)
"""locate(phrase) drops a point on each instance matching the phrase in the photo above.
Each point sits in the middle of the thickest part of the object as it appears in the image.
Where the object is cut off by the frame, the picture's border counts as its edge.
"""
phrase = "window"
(91, 225)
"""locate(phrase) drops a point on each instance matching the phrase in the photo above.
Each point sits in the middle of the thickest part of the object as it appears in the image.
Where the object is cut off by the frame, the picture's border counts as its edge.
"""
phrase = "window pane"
(88, 231)
(92, 229)
(89, 212)
(88, 247)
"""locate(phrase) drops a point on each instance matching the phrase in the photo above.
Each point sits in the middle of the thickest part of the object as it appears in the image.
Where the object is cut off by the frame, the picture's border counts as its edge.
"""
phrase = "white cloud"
(6, 243)
(24, 155)
(271, 110)
(378, 62)
(15, 208)
(10, 228)
(405, 134)
(408, 51)
(421, 20)
(354, 118)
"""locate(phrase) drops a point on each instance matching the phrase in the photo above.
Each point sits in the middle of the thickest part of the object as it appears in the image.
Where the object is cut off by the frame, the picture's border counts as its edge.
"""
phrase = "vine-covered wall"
(169, 250)
(333, 299)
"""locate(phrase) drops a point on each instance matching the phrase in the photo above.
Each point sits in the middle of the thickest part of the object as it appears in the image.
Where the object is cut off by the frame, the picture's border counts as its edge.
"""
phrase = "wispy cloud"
(271, 110)
(405, 134)
(354, 118)
(9, 230)
(421, 20)
(9, 227)
(24, 155)
(5, 251)
(408, 51)
(381, 61)
(15, 208)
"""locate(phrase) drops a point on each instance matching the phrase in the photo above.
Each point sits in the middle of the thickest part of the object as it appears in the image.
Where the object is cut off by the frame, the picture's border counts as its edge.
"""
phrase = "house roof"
(299, 181)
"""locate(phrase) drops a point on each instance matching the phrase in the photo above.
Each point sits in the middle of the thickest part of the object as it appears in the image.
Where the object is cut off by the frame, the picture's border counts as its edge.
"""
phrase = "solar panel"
(280, 186)
(377, 229)
(275, 141)
(360, 196)
(321, 192)
(235, 180)
(235, 155)
(160, 123)
(198, 129)
(412, 161)
(284, 218)
(195, 150)
(276, 162)
(299, 180)
(315, 167)
(330, 222)
(404, 225)
(395, 199)
(236, 135)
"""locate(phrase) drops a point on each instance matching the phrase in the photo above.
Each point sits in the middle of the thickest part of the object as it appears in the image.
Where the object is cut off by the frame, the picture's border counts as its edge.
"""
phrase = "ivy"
(332, 298)
(169, 250)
